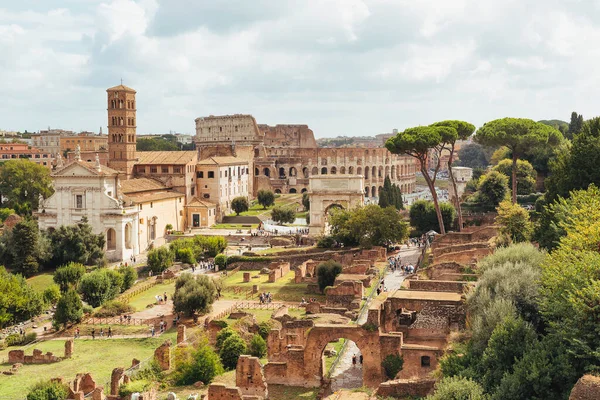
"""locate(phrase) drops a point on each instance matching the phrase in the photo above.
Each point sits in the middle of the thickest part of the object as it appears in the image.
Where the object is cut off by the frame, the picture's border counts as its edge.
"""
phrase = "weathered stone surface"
(98, 393)
(69, 347)
(181, 333)
(402, 388)
(218, 391)
(246, 277)
(16, 356)
(586, 388)
(163, 355)
(249, 377)
(116, 379)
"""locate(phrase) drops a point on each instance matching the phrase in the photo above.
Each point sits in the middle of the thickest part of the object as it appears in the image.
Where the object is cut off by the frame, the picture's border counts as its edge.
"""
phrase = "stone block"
(98, 393)
(163, 355)
(116, 379)
(181, 333)
(246, 277)
(88, 384)
(16, 356)
(249, 377)
(69, 347)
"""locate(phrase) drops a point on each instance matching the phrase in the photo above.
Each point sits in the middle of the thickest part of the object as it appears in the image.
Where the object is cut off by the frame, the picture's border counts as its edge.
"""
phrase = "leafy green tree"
(283, 215)
(23, 248)
(457, 388)
(5, 213)
(129, 276)
(97, 287)
(160, 260)
(265, 198)
(239, 205)
(69, 309)
(463, 131)
(509, 341)
(514, 222)
(258, 346)
(518, 135)
(51, 294)
(492, 189)
(233, 347)
(22, 183)
(526, 175)
(68, 275)
(370, 225)
(156, 144)
(575, 126)
(194, 294)
(223, 335)
(392, 364)
(418, 143)
(473, 155)
(390, 195)
(221, 261)
(306, 201)
(48, 391)
(193, 365)
(76, 243)
(18, 301)
(327, 272)
(423, 216)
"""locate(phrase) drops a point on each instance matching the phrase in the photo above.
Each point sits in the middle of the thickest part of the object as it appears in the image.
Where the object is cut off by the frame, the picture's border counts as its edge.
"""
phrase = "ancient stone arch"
(293, 171)
(346, 191)
(351, 170)
(315, 171)
(342, 170)
(358, 171)
(305, 172)
(333, 170)
(324, 171)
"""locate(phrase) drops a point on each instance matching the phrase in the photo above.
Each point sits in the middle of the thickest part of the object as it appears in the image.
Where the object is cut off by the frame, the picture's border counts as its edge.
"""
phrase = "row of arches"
(111, 237)
(374, 191)
(114, 104)
(394, 172)
(121, 138)
(120, 121)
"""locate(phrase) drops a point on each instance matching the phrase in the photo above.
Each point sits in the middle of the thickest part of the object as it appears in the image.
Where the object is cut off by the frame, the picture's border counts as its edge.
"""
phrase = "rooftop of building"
(421, 295)
(197, 202)
(222, 160)
(120, 88)
(88, 165)
(165, 157)
(139, 185)
(151, 196)
(224, 116)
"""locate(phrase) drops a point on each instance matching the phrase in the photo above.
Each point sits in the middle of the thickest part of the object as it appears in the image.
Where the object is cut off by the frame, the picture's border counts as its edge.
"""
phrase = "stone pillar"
(69, 345)
(135, 362)
(115, 380)
(255, 288)
(181, 334)
(98, 393)
(163, 355)
(246, 276)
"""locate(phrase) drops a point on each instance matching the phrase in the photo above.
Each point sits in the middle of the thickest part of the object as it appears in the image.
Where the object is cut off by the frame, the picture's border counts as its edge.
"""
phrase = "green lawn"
(98, 357)
(275, 250)
(256, 210)
(283, 290)
(264, 315)
(243, 227)
(140, 301)
(337, 346)
(40, 282)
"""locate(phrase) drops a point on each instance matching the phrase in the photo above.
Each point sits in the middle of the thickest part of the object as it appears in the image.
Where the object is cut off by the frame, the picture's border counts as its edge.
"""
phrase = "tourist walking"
(354, 360)
(93, 333)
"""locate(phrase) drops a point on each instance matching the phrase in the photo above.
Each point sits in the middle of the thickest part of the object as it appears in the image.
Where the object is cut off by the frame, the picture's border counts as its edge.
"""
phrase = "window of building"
(425, 361)
(153, 170)
(141, 170)
(193, 191)
(164, 170)
(200, 174)
(151, 205)
(176, 170)
(211, 174)
(225, 174)
(79, 201)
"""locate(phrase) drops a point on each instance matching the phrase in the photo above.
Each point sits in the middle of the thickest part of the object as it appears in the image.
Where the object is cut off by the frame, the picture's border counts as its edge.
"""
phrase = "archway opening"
(128, 236)
(111, 239)
(267, 172)
(358, 171)
(304, 190)
(315, 171)
(293, 190)
(293, 171)
(367, 192)
(373, 191)
(305, 172)
(256, 172)
(277, 191)
(350, 170)
(333, 171)
(342, 170)
(342, 362)
(281, 173)
(324, 171)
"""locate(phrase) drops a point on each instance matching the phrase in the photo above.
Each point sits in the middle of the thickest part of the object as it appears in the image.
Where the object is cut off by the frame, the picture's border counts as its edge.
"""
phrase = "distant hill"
(557, 124)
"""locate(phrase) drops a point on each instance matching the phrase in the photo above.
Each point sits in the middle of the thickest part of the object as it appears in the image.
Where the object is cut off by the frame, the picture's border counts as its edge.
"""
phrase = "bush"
(327, 272)
(18, 301)
(223, 335)
(239, 205)
(231, 349)
(258, 346)
(264, 328)
(458, 388)
(129, 276)
(201, 364)
(492, 189)
(138, 386)
(48, 391)
(186, 256)
(5, 213)
(69, 309)
(194, 294)
(68, 275)
(220, 260)
(392, 364)
(51, 294)
(211, 245)
(424, 218)
(113, 308)
(326, 242)
(159, 260)
(514, 222)
(15, 339)
(283, 215)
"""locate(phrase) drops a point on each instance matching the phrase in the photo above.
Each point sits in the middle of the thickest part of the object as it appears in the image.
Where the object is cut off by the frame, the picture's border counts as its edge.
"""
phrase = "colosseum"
(283, 157)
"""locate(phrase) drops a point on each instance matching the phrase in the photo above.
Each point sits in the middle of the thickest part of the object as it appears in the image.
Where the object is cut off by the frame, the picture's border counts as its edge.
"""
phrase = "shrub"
(258, 346)
(113, 308)
(265, 198)
(223, 335)
(327, 272)
(51, 294)
(423, 216)
(514, 222)
(186, 256)
(392, 364)
(138, 386)
(48, 391)
(159, 260)
(15, 339)
(194, 294)
(283, 215)
(68, 275)
(492, 189)
(239, 205)
(129, 276)
(231, 349)
(97, 287)
(5, 213)
(326, 242)
(211, 245)
(457, 388)
(69, 309)
(201, 364)
(220, 260)
(264, 328)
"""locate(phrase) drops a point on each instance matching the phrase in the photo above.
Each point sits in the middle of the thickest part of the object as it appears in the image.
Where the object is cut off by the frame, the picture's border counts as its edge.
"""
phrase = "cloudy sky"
(353, 67)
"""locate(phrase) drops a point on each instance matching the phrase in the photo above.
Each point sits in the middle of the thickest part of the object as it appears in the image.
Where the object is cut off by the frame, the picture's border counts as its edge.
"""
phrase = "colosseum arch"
(282, 173)
(293, 171)
(304, 190)
(387, 171)
(393, 176)
(373, 172)
(358, 171)
(380, 172)
(267, 171)
(293, 190)
(305, 172)
(256, 171)
(342, 170)
(367, 170)
(373, 191)
(324, 171)
(315, 171)
(333, 170)
(367, 192)
(351, 169)
(387, 160)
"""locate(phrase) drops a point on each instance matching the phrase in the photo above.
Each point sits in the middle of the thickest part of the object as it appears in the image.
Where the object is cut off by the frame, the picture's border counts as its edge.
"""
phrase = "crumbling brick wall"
(344, 294)
(438, 286)
(249, 377)
(402, 388)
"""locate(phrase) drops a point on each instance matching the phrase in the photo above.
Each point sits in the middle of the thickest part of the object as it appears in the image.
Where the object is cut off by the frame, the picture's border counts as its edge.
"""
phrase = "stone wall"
(586, 388)
(465, 257)
(346, 294)
(482, 234)
(218, 391)
(278, 270)
(439, 251)
(438, 286)
(249, 377)
(344, 277)
(163, 355)
(402, 388)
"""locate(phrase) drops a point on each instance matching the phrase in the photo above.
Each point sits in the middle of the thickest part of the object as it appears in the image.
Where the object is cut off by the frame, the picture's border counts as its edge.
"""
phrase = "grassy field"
(276, 250)
(337, 346)
(439, 183)
(243, 227)
(284, 289)
(264, 315)
(40, 282)
(99, 357)
(256, 210)
(140, 301)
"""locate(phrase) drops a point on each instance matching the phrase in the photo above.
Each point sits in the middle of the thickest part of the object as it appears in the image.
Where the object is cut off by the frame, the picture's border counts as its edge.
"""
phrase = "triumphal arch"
(327, 191)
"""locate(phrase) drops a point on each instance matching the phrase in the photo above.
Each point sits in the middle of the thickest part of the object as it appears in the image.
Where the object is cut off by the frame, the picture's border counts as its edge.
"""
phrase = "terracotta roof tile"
(165, 157)
(196, 202)
(225, 160)
(141, 185)
(146, 197)
(119, 88)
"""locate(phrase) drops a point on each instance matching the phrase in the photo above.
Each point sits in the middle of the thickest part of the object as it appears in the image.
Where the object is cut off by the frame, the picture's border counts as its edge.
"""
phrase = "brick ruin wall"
(453, 238)
(38, 357)
(278, 270)
(465, 257)
(347, 294)
(402, 388)
(438, 286)
(586, 388)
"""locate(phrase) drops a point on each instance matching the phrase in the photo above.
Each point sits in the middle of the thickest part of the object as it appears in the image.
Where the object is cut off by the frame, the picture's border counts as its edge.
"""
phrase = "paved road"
(346, 375)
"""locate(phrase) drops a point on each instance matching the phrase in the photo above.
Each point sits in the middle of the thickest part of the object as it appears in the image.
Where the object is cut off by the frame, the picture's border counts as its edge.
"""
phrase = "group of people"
(395, 263)
(265, 298)
(208, 265)
(354, 358)
(311, 300)
(161, 299)
(93, 332)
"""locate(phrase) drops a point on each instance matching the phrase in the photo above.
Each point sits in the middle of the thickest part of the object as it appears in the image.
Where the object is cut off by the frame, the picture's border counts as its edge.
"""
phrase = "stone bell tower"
(121, 129)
